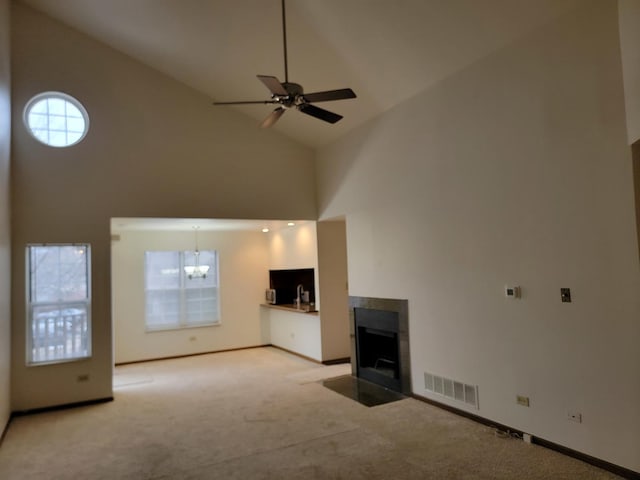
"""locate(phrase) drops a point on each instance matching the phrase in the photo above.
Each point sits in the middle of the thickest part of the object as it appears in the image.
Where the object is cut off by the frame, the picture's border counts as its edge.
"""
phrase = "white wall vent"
(452, 389)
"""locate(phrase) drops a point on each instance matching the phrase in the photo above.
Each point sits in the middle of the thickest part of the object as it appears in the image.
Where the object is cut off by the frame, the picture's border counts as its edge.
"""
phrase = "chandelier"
(197, 270)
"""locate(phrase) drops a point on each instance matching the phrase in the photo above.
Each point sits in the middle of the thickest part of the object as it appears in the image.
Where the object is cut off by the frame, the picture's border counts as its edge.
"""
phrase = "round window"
(56, 119)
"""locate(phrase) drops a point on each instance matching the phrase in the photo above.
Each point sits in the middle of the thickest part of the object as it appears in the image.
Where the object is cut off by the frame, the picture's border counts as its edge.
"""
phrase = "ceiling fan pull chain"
(284, 38)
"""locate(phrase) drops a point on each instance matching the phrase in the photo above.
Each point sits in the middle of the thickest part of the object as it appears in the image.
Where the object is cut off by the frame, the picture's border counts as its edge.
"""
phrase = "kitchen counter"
(292, 308)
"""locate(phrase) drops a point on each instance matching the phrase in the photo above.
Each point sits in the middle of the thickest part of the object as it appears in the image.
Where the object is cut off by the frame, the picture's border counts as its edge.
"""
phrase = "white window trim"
(30, 305)
(64, 96)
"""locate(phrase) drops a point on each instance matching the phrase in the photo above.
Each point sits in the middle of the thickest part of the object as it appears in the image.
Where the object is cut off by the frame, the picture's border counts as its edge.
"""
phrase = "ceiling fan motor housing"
(294, 96)
(294, 89)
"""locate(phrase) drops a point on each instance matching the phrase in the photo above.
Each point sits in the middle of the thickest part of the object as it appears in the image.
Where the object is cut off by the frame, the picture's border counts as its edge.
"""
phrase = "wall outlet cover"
(512, 291)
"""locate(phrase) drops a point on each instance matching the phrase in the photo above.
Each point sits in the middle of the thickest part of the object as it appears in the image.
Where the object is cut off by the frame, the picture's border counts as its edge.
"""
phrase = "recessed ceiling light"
(290, 224)
(265, 230)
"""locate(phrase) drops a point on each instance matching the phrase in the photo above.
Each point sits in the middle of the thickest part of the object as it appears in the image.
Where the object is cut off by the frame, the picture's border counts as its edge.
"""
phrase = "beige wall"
(243, 270)
(513, 171)
(334, 295)
(635, 153)
(155, 149)
(294, 247)
(5, 238)
(629, 19)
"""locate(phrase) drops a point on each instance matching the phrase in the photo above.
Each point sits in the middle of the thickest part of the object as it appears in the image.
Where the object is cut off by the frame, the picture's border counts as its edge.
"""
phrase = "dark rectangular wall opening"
(380, 342)
(379, 351)
(285, 282)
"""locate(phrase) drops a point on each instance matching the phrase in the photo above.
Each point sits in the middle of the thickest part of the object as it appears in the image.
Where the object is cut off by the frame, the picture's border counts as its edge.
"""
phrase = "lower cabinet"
(297, 332)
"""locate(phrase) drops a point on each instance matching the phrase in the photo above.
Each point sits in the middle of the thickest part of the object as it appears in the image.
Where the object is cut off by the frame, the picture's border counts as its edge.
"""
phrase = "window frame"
(55, 95)
(30, 305)
(183, 322)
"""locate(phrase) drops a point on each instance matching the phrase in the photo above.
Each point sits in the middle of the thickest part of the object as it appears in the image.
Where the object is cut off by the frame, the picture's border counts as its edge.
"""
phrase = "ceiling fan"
(289, 95)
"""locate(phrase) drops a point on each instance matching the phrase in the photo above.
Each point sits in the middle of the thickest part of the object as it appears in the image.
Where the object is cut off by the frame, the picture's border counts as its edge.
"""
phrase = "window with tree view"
(59, 303)
(176, 299)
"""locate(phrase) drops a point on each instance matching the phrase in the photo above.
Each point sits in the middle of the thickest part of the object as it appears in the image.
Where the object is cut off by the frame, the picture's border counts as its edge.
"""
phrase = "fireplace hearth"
(380, 342)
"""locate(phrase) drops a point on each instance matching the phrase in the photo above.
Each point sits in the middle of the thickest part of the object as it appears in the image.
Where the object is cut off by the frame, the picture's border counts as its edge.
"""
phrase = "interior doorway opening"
(246, 250)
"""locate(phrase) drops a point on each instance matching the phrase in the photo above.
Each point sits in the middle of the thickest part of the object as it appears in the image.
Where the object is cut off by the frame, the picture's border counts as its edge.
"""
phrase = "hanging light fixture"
(197, 270)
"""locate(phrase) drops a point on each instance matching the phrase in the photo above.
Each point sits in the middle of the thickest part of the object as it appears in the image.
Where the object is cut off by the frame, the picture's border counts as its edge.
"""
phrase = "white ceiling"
(385, 50)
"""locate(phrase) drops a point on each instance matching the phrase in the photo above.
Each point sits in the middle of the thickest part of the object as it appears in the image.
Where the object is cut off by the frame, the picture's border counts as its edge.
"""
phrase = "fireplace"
(380, 342)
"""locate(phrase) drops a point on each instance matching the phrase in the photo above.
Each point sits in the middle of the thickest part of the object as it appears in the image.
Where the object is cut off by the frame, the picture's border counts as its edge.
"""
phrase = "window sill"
(58, 361)
(185, 327)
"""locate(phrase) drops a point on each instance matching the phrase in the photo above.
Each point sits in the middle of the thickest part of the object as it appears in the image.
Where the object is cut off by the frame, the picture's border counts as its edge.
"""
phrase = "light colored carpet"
(320, 373)
(262, 414)
(131, 375)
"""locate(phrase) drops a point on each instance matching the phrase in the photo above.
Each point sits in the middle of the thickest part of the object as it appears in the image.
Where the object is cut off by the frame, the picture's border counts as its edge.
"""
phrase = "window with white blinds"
(175, 299)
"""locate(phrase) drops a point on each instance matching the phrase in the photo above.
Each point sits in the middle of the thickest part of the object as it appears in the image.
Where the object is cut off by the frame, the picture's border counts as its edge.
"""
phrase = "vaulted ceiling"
(385, 50)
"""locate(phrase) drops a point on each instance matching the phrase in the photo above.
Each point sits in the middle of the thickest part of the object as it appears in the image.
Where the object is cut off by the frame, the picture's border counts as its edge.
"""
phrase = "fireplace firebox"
(380, 342)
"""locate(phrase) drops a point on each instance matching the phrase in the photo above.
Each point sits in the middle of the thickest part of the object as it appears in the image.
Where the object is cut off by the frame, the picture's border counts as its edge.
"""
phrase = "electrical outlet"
(521, 400)
(83, 377)
(574, 417)
(511, 292)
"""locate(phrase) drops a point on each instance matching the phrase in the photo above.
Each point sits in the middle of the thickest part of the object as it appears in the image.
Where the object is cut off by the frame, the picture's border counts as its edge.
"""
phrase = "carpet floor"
(262, 414)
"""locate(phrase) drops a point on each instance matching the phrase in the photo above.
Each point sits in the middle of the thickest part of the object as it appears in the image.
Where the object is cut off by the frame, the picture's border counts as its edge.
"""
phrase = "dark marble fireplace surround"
(379, 329)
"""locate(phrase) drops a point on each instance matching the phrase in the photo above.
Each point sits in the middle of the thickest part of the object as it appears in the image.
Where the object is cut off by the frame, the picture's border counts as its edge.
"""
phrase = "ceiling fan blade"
(329, 95)
(246, 103)
(273, 117)
(320, 113)
(273, 84)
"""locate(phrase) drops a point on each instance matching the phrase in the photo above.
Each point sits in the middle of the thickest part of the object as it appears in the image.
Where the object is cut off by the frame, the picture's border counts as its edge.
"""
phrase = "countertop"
(292, 308)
